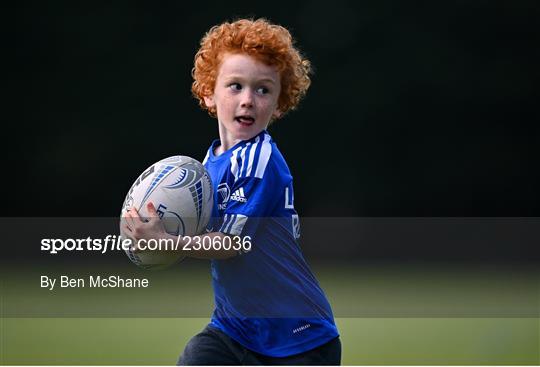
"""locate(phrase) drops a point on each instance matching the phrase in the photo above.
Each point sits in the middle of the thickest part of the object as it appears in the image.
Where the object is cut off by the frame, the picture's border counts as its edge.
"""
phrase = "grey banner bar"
(368, 267)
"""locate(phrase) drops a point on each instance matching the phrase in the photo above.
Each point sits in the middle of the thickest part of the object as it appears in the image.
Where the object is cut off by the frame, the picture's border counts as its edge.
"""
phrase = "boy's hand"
(136, 228)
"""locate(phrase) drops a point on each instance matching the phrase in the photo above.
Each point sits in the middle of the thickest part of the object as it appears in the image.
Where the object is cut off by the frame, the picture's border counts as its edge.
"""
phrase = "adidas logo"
(238, 195)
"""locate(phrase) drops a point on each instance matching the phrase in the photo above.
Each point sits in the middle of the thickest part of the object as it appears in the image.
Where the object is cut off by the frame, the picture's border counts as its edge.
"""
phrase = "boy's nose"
(247, 99)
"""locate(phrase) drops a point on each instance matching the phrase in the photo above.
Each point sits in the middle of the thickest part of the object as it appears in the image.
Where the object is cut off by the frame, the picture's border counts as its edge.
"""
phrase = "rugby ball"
(181, 191)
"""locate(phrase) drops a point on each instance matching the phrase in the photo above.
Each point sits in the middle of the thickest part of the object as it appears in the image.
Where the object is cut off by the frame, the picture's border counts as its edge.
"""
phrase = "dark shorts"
(213, 347)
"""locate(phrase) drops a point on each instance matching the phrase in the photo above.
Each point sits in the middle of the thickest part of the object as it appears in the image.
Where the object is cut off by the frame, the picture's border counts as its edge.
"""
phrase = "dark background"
(415, 109)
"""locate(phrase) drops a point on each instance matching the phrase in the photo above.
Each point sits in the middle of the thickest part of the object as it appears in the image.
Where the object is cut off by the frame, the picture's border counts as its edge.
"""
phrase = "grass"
(372, 341)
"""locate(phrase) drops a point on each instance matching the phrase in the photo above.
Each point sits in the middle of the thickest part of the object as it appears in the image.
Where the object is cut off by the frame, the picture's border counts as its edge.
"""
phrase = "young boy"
(269, 308)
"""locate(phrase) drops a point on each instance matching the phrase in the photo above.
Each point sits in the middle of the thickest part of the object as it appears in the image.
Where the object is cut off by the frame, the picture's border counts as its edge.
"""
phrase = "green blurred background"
(387, 313)
(371, 341)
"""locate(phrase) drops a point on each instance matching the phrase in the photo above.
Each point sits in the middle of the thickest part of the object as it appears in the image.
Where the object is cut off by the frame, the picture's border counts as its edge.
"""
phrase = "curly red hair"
(269, 43)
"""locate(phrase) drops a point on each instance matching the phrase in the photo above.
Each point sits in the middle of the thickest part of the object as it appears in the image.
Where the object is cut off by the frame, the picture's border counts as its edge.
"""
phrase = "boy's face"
(245, 97)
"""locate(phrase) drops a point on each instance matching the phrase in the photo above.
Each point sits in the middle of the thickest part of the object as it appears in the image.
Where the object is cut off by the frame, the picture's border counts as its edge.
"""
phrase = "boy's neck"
(227, 141)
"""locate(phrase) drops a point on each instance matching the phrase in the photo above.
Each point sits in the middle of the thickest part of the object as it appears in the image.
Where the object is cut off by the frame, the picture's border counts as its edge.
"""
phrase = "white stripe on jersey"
(234, 163)
(264, 156)
(247, 165)
(225, 224)
(243, 158)
(236, 225)
(206, 157)
(252, 156)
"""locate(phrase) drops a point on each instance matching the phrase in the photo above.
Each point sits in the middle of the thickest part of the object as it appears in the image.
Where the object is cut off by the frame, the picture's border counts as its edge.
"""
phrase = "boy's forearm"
(187, 246)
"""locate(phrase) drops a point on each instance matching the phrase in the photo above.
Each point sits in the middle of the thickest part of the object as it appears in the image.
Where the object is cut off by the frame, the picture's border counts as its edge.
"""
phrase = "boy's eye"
(262, 90)
(235, 86)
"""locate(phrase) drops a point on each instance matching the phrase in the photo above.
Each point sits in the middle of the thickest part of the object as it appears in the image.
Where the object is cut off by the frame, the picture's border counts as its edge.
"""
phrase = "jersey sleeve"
(252, 199)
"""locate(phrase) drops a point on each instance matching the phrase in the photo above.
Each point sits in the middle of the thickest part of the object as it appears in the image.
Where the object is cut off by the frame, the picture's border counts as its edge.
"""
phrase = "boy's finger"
(151, 209)
(125, 226)
(128, 218)
(133, 213)
(136, 217)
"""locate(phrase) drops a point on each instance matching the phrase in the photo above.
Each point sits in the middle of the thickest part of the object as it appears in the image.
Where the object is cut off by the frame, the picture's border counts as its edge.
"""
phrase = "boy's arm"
(153, 229)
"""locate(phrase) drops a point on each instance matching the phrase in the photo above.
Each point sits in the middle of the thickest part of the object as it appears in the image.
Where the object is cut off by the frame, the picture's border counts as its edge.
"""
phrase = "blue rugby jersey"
(267, 299)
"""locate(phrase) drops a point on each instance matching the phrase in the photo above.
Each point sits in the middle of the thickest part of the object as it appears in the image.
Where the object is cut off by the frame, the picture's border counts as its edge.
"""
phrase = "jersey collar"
(216, 143)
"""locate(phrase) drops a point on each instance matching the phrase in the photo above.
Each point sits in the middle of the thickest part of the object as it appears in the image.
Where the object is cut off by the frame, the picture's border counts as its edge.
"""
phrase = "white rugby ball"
(181, 191)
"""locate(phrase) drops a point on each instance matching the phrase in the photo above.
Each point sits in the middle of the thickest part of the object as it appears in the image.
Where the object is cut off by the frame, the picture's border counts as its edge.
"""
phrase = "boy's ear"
(276, 114)
(209, 101)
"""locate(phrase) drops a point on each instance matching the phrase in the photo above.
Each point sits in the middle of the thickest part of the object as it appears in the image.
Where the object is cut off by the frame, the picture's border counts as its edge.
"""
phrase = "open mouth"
(245, 120)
